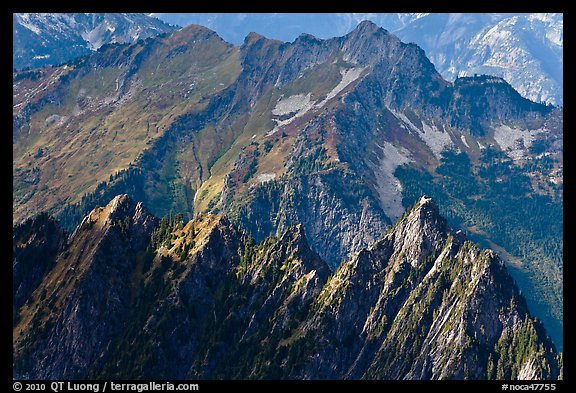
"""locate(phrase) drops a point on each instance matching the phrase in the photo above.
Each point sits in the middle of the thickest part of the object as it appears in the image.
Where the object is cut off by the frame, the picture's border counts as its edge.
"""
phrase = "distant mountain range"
(51, 39)
(524, 49)
(234, 27)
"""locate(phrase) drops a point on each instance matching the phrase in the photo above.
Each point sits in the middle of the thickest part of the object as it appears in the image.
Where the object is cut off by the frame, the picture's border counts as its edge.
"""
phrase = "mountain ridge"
(459, 44)
(206, 278)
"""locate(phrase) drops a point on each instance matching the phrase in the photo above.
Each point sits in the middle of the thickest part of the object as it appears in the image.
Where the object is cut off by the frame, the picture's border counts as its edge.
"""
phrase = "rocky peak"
(284, 62)
(222, 234)
(293, 254)
(122, 211)
(420, 231)
(295, 240)
(367, 27)
(255, 46)
(189, 34)
(427, 212)
(404, 75)
(305, 37)
(89, 288)
(426, 203)
(120, 205)
(369, 44)
(367, 31)
(253, 37)
(295, 236)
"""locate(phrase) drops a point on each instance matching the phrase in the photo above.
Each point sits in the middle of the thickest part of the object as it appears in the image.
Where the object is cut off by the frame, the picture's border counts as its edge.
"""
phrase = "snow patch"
(295, 103)
(300, 104)
(405, 120)
(463, 139)
(41, 57)
(55, 119)
(348, 76)
(266, 177)
(515, 142)
(388, 186)
(438, 141)
(25, 21)
(95, 37)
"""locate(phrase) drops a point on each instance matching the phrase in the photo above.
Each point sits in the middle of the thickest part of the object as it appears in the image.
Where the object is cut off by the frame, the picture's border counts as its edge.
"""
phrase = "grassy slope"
(98, 137)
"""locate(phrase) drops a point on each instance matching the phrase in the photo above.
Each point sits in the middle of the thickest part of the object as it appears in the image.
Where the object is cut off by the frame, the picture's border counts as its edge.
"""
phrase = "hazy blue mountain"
(234, 27)
(524, 49)
(50, 39)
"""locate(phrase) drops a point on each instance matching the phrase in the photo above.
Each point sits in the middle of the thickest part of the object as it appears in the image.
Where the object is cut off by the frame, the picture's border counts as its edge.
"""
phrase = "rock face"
(52, 39)
(131, 298)
(36, 244)
(82, 302)
(339, 221)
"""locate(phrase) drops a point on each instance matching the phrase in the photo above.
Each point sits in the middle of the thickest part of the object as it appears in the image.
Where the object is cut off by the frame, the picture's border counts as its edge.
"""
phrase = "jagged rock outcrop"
(131, 298)
(82, 303)
(425, 303)
(217, 304)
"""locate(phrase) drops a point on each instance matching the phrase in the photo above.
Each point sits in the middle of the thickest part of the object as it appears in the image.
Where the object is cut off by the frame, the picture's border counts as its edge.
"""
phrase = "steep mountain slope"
(131, 297)
(76, 125)
(423, 303)
(524, 49)
(51, 39)
(337, 135)
(87, 283)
